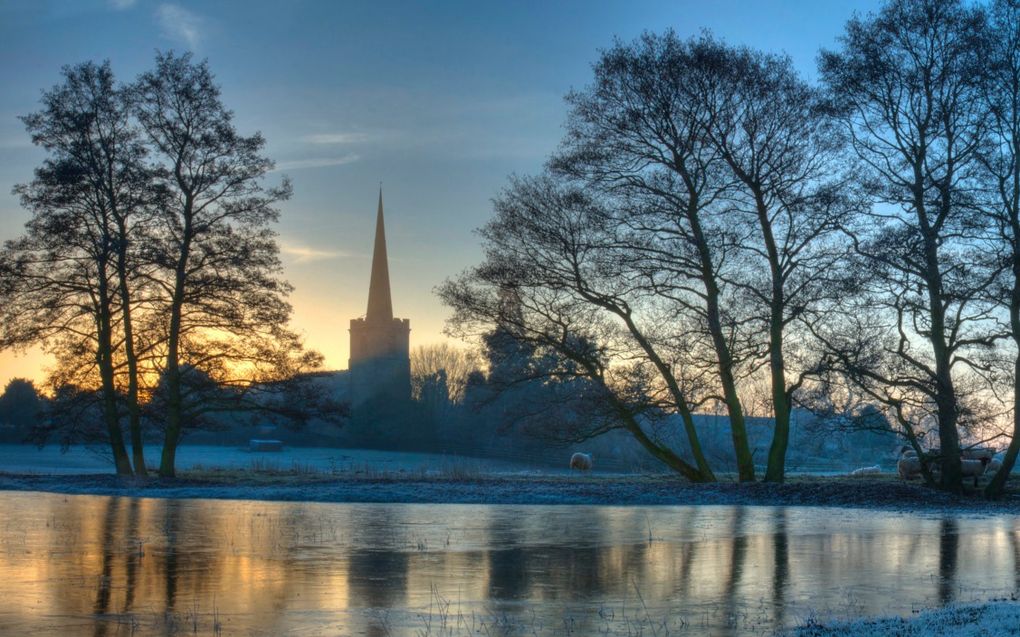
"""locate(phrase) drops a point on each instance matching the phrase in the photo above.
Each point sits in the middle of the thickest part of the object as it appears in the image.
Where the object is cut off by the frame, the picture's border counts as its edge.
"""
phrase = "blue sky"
(439, 101)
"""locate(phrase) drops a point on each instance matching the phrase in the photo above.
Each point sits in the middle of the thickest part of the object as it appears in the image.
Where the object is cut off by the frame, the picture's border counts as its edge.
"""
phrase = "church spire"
(380, 306)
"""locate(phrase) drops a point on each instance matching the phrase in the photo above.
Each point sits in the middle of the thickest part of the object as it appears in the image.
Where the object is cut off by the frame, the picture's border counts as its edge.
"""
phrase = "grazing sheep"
(973, 463)
(909, 465)
(866, 471)
(581, 461)
(973, 468)
(993, 467)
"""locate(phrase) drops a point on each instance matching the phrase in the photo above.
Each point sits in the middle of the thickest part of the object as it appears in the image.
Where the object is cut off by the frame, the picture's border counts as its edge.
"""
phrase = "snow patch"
(996, 619)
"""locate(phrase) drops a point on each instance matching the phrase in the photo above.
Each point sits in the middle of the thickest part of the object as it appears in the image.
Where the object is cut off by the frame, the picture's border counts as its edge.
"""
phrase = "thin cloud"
(121, 5)
(320, 162)
(335, 138)
(304, 254)
(179, 24)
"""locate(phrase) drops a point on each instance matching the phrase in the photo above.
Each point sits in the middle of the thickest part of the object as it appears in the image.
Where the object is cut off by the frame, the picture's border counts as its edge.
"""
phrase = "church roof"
(380, 305)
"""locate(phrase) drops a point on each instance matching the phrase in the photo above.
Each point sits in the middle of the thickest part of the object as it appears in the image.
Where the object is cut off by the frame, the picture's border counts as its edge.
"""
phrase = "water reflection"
(948, 546)
(781, 565)
(115, 566)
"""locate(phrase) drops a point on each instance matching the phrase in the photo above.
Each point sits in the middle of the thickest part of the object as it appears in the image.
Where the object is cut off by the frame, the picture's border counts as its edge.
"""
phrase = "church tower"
(380, 366)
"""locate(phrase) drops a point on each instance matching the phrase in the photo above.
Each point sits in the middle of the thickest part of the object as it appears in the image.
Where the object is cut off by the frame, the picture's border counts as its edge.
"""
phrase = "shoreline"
(883, 493)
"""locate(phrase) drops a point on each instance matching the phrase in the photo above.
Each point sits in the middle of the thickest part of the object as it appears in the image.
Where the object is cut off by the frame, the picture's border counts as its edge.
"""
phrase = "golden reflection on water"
(119, 566)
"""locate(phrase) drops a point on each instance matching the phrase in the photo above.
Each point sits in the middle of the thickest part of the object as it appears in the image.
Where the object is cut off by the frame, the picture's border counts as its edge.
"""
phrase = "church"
(380, 364)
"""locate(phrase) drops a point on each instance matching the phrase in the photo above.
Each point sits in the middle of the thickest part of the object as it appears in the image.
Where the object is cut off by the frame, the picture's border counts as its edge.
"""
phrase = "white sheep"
(993, 466)
(909, 465)
(973, 468)
(582, 461)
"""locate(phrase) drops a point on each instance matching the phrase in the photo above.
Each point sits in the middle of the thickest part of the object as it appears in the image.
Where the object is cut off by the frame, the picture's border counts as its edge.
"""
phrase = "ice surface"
(84, 565)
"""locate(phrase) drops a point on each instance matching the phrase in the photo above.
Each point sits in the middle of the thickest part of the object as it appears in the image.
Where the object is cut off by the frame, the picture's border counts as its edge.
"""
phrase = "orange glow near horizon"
(322, 325)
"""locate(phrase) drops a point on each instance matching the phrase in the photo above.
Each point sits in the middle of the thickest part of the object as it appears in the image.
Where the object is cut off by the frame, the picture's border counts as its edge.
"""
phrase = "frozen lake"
(91, 565)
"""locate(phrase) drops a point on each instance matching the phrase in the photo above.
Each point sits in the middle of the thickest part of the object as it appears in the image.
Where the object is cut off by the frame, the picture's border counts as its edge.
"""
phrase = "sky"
(438, 101)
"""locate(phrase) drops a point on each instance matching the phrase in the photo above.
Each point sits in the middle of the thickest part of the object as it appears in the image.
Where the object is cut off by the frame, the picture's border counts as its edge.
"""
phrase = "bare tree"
(638, 137)
(69, 280)
(456, 363)
(770, 130)
(551, 245)
(1001, 158)
(222, 297)
(906, 86)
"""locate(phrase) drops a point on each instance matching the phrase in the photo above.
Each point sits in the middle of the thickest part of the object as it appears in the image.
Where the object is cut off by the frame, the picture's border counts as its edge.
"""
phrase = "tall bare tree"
(1001, 158)
(550, 244)
(638, 137)
(906, 86)
(771, 132)
(222, 296)
(70, 275)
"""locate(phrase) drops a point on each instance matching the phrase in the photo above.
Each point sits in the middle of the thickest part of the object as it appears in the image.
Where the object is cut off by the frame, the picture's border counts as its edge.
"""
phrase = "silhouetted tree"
(639, 138)
(456, 363)
(20, 405)
(550, 252)
(906, 86)
(222, 298)
(695, 200)
(768, 127)
(68, 277)
(1001, 159)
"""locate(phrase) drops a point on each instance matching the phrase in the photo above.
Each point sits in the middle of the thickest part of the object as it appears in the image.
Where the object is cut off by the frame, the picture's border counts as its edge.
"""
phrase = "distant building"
(380, 364)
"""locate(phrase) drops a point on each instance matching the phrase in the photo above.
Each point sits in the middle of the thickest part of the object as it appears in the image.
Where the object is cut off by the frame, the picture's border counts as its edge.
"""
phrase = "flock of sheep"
(975, 463)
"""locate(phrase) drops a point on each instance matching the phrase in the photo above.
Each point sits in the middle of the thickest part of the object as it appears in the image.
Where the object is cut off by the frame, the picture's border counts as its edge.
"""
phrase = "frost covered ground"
(354, 475)
(51, 460)
(993, 619)
(458, 485)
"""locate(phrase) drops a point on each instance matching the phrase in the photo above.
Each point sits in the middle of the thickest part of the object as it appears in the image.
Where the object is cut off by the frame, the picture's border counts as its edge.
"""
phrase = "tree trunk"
(120, 456)
(175, 402)
(104, 355)
(663, 454)
(945, 392)
(134, 411)
(775, 471)
(738, 430)
(172, 435)
(945, 398)
(704, 470)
